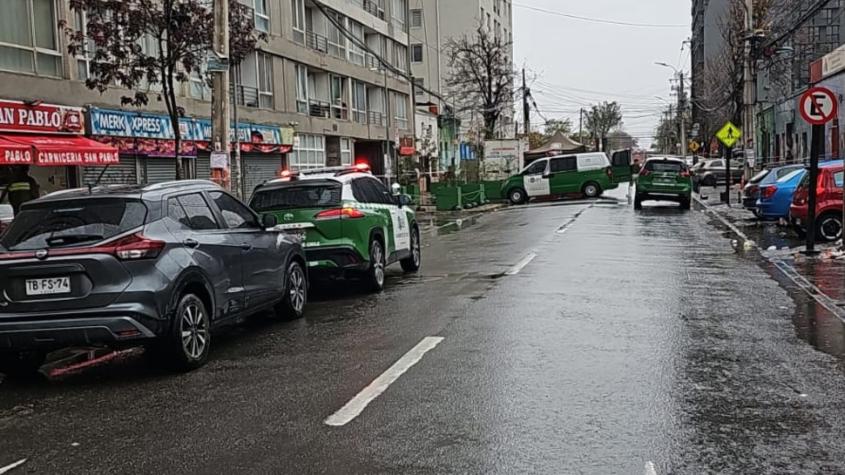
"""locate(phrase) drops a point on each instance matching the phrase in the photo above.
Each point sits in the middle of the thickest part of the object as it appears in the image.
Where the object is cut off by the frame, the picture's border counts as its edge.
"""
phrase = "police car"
(348, 220)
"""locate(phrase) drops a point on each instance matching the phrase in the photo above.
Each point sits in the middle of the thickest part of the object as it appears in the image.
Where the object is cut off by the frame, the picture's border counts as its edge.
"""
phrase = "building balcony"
(377, 118)
(372, 7)
(316, 41)
(317, 108)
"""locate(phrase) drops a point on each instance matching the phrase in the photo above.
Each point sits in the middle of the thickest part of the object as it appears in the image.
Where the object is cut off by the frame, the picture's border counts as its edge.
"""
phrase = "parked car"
(751, 191)
(664, 179)
(349, 222)
(775, 198)
(590, 174)
(828, 203)
(160, 265)
(7, 215)
(712, 172)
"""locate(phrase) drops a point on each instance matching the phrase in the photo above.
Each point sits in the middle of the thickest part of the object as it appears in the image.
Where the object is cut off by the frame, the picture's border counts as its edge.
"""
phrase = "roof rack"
(179, 183)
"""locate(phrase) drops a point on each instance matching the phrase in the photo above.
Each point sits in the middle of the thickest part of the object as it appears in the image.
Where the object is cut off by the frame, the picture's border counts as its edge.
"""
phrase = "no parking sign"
(819, 105)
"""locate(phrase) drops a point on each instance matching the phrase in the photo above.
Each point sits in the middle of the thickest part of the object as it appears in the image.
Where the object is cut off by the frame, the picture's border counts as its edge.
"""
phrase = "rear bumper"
(58, 333)
(111, 325)
(335, 258)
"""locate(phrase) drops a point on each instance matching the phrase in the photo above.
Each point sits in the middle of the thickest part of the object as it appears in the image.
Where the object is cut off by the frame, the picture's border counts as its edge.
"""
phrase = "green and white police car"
(349, 221)
(590, 174)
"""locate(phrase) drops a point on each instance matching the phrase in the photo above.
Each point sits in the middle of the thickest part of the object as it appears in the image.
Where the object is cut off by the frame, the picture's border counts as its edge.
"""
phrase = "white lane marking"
(649, 469)
(356, 405)
(521, 264)
(9, 468)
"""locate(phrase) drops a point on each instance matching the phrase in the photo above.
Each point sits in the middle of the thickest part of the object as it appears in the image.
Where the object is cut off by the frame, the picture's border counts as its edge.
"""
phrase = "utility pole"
(748, 93)
(581, 127)
(526, 110)
(681, 113)
(220, 103)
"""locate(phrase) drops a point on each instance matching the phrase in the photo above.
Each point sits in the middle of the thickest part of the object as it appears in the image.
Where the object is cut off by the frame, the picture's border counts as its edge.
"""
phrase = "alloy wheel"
(415, 247)
(297, 289)
(378, 263)
(194, 331)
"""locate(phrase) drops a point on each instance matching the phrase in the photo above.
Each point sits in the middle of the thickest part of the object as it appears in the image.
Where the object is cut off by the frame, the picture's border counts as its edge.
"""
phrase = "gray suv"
(160, 266)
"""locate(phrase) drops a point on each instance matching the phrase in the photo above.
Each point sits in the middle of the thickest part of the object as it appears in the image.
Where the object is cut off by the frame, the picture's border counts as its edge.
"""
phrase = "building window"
(416, 18)
(337, 41)
(419, 83)
(359, 102)
(417, 53)
(400, 111)
(28, 37)
(198, 87)
(400, 56)
(308, 152)
(338, 97)
(298, 9)
(345, 151)
(356, 51)
(261, 15)
(254, 76)
(265, 80)
(83, 58)
(399, 12)
(301, 89)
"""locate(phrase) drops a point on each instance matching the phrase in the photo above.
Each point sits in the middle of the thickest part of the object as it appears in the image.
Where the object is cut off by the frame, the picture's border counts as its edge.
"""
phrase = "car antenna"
(100, 177)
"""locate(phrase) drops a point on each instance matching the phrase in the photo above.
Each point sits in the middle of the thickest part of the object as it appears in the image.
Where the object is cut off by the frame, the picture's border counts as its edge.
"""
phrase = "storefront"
(49, 138)
(146, 146)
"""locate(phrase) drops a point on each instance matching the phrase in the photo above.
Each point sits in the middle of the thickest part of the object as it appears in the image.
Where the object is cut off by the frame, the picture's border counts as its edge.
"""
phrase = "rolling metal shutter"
(159, 169)
(123, 173)
(202, 167)
(258, 169)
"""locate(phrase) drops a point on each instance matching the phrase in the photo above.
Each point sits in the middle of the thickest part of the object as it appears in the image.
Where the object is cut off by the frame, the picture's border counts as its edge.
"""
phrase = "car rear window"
(72, 223)
(664, 167)
(759, 177)
(311, 195)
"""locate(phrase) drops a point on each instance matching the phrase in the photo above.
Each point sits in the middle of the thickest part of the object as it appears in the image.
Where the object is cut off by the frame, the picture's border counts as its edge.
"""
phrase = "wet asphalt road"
(630, 341)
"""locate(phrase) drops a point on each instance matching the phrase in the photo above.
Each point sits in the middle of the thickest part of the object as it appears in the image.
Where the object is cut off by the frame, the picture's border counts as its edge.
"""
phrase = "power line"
(599, 20)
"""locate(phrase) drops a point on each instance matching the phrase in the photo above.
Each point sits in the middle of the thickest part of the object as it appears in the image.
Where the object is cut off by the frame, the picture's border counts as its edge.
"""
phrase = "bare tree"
(150, 46)
(481, 76)
(602, 118)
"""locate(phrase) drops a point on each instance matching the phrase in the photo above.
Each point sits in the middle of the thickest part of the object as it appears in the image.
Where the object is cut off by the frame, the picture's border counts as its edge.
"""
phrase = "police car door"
(536, 179)
(399, 226)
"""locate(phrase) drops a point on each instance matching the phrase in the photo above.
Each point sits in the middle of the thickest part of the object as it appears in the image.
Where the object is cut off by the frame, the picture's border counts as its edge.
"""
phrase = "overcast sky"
(577, 62)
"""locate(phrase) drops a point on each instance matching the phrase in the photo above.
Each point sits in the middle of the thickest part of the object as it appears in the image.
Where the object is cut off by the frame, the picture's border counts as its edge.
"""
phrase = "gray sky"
(577, 63)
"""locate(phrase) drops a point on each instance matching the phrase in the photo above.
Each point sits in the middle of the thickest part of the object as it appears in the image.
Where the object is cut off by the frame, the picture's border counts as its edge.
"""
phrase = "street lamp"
(681, 108)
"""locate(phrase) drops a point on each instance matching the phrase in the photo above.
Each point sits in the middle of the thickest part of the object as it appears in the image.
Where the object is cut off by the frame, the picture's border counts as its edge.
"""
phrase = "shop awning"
(13, 153)
(54, 151)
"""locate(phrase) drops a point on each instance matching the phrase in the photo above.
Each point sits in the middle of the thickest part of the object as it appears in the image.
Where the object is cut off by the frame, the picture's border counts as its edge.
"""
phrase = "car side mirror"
(404, 200)
(269, 221)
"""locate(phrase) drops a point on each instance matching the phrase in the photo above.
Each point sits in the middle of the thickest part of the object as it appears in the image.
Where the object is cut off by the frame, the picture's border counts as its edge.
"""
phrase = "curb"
(788, 271)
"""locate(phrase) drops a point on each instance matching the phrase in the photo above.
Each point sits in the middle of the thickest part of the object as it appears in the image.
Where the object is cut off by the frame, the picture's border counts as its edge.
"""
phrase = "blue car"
(776, 197)
(751, 192)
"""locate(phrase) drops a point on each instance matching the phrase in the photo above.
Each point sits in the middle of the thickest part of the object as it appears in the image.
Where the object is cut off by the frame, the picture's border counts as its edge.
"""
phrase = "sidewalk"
(822, 276)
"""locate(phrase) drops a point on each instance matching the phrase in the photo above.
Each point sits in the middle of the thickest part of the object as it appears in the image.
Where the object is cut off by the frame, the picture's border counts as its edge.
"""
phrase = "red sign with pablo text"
(18, 116)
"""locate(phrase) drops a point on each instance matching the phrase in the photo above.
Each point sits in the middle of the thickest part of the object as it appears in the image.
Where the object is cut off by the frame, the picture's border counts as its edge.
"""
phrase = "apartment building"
(432, 24)
(310, 96)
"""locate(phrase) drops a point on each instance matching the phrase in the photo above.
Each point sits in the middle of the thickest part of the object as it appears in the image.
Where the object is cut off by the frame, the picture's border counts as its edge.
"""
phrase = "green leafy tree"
(148, 47)
(602, 118)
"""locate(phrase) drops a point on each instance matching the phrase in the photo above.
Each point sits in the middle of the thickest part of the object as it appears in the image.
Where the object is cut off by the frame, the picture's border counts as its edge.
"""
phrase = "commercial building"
(311, 96)
(433, 24)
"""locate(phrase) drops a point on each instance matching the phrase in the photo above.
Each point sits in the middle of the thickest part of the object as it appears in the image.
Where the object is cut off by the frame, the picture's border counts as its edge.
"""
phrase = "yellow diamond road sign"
(729, 134)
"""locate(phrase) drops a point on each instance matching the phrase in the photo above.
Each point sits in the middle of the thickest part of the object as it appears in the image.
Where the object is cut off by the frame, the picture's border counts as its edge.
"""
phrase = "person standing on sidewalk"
(21, 188)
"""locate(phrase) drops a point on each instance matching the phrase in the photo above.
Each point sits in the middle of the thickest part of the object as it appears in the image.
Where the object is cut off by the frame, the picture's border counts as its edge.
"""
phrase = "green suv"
(348, 220)
(664, 179)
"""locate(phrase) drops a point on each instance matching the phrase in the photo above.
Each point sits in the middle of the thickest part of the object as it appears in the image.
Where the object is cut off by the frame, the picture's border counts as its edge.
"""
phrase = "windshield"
(72, 223)
(791, 176)
(324, 194)
(759, 177)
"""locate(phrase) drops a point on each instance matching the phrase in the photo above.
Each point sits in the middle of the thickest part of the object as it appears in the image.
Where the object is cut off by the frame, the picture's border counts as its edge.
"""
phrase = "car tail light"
(130, 248)
(609, 172)
(644, 172)
(768, 191)
(340, 213)
(137, 247)
(685, 173)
